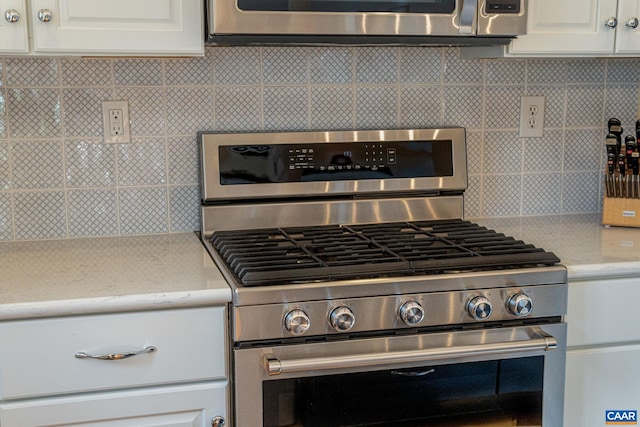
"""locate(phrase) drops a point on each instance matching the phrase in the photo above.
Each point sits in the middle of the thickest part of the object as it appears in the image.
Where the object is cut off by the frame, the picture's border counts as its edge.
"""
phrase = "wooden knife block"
(621, 212)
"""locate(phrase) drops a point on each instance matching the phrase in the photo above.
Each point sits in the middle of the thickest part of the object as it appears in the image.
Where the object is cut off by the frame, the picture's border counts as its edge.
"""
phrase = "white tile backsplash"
(377, 65)
(285, 107)
(143, 162)
(339, 99)
(34, 112)
(331, 65)
(285, 65)
(237, 108)
(376, 107)
(143, 210)
(91, 212)
(83, 111)
(420, 106)
(419, 65)
(37, 165)
(541, 193)
(90, 163)
(59, 180)
(3, 114)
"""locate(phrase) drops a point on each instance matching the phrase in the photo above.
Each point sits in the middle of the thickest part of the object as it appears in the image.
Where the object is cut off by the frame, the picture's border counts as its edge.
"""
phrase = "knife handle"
(611, 144)
(614, 125)
(611, 163)
(622, 163)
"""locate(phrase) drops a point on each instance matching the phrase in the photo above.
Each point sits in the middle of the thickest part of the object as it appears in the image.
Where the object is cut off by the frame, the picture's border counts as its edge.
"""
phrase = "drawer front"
(192, 405)
(37, 357)
(603, 312)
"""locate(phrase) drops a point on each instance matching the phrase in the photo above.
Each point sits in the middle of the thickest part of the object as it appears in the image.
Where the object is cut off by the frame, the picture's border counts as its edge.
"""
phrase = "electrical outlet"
(532, 116)
(116, 122)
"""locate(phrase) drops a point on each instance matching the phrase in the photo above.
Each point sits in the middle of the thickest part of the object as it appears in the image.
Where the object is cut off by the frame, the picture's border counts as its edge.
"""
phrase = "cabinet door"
(117, 27)
(14, 35)
(567, 27)
(628, 38)
(600, 379)
(603, 312)
(183, 406)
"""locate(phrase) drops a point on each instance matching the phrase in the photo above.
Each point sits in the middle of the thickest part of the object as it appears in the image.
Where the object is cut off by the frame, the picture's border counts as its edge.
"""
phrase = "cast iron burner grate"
(340, 252)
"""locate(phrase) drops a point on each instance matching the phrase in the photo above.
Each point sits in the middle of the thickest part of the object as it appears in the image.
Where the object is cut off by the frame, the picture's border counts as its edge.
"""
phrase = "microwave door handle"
(467, 16)
(274, 366)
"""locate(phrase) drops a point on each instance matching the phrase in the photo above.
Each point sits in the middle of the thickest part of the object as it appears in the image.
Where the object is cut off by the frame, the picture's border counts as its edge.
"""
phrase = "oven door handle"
(540, 341)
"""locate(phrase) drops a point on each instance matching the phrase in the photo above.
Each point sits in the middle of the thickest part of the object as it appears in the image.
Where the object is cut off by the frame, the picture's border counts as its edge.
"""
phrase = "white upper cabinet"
(567, 26)
(14, 36)
(109, 27)
(628, 28)
(575, 28)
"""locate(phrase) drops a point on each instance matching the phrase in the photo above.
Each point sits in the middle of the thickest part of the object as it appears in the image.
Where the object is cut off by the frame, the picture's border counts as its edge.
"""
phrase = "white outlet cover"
(125, 136)
(526, 117)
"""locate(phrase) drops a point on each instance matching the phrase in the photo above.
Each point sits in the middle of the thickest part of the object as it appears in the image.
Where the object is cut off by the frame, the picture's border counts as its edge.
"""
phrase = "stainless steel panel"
(212, 190)
(250, 372)
(505, 23)
(226, 18)
(251, 323)
(268, 215)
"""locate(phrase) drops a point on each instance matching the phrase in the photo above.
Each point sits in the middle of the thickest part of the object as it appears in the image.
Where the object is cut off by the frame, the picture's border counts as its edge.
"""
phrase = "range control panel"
(280, 163)
(373, 157)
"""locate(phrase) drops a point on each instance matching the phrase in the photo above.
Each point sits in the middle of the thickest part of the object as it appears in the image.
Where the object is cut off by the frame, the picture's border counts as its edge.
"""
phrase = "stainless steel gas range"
(362, 297)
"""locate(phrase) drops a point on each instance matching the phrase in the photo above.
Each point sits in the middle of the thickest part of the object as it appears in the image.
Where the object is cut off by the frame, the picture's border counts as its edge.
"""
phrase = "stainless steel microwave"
(422, 22)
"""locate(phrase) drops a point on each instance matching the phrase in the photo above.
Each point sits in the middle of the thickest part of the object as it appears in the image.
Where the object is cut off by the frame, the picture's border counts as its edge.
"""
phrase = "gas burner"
(279, 256)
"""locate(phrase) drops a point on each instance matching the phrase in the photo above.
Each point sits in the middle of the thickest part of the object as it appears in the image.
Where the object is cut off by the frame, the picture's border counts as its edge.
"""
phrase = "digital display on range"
(282, 163)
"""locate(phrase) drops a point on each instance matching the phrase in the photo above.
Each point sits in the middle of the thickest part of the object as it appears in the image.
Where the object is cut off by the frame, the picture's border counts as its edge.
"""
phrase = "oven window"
(491, 393)
(416, 6)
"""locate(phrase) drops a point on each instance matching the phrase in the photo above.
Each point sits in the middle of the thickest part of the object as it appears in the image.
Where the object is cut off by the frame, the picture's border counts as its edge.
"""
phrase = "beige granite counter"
(588, 249)
(107, 274)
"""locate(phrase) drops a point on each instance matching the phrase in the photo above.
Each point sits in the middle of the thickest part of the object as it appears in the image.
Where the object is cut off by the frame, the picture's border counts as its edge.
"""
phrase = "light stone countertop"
(587, 248)
(107, 274)
(115, 274)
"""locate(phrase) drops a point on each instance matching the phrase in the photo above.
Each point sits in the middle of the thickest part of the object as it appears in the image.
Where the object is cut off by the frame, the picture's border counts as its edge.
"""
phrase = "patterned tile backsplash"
(59, 180)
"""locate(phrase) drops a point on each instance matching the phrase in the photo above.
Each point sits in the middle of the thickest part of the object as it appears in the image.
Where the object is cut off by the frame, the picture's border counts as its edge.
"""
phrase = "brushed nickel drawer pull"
(115, 356)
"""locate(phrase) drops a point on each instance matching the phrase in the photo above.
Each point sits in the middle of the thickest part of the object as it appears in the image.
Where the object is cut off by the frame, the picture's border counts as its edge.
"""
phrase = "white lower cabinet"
(143, 369)
(176, 406)
(603, 373)
(598, 380)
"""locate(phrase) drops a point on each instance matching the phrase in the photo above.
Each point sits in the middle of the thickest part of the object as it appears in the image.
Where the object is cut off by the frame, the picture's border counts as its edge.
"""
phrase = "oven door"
(343, 17)
(487, 377)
